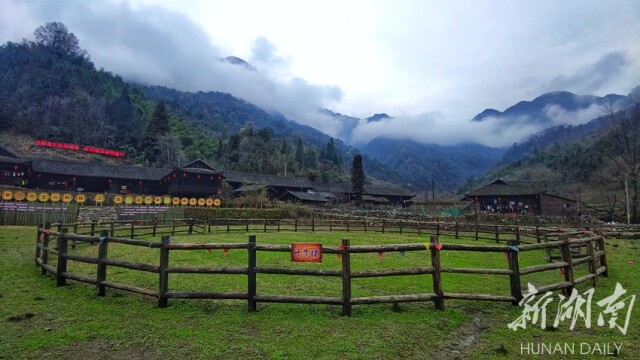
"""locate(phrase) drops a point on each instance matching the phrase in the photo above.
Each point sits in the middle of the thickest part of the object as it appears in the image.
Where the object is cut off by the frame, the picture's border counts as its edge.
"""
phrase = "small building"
(279, 186)
(523, 197)
(305, 197)
(13, 169)
(195, 179)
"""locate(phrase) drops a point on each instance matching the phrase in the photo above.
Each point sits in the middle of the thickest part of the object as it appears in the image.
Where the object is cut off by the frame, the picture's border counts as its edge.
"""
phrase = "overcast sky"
(433, 65)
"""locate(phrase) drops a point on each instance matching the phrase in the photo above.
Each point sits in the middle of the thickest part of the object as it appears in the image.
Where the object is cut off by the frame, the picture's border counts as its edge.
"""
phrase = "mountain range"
(47, 93)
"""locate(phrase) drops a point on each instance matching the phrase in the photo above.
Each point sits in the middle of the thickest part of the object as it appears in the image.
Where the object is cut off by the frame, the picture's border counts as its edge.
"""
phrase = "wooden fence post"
(593, 267)
(101, 273)
(162, 271)
(537, 234)
(603, 258)
(40, 241)
(62, 259)
(545, 238)
(45, 252)
(497, 230)
(517, 234)
(457, 229)
(38, 238)
(365, 224)
(514, 266)
(313, 224)
(113, 230)
(93, 228)
(133, 225)
(251, 272)
(438, 229)
(476, 229)
(400, 227)
(346, 278)
(348, 223)
(565, 252)
(437, 279)
(75, 227)
(330, 225)
(155, 227)
(265, 225)
(278, 224)
(191, 221)
(296, 225)
(246, 225)
(228, 225)
(173, 227)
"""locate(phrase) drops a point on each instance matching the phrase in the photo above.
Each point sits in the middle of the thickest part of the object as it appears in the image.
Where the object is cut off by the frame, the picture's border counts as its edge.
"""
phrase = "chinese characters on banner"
(576, 307)
(306, 252)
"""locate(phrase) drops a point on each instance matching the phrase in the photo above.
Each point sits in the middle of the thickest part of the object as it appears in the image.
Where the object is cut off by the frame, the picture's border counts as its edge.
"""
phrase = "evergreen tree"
(300, 153)
(357, 178)
(157, 128)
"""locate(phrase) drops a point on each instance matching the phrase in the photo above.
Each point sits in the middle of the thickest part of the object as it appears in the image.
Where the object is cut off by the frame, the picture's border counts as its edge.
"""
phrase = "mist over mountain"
(554, 108)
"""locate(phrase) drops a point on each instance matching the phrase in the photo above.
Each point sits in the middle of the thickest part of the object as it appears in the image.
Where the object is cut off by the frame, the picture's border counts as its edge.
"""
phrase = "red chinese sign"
(306, 252)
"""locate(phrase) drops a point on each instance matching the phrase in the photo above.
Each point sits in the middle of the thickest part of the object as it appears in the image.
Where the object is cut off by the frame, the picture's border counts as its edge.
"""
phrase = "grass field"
(42, 321)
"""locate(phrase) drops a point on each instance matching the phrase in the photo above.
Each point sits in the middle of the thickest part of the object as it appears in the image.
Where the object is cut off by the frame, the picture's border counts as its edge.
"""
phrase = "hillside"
(419, 163)
(55, 93)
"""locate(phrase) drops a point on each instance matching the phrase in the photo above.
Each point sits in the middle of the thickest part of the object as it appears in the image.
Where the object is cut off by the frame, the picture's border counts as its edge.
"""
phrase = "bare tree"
(624, 136)
(57, 36)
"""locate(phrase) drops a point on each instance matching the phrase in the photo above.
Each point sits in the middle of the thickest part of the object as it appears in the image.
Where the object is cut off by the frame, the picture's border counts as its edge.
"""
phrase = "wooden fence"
(477, 231)
(32, 214)
(594, 244)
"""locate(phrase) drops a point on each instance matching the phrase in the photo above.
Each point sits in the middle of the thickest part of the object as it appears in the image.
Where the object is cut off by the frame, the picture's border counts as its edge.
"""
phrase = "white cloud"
(443, 61)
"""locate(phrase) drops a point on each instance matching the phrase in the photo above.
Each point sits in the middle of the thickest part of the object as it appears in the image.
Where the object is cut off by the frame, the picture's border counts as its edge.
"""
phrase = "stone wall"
(97, 213)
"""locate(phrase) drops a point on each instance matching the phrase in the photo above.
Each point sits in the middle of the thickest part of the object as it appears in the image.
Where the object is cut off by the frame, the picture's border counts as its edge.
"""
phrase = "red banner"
(85, 148)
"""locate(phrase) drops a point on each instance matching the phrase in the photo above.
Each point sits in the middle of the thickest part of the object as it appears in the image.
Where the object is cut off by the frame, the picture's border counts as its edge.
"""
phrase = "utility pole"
(433, 192)
(285, 169)
(626, 193)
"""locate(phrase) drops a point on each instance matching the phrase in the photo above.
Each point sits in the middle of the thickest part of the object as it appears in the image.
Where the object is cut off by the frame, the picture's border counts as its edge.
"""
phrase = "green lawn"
(43, 321)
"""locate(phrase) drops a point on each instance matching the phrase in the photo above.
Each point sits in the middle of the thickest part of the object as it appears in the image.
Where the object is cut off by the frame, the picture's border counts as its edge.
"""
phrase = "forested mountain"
(548, 108)
(419, 163)
(49, 89)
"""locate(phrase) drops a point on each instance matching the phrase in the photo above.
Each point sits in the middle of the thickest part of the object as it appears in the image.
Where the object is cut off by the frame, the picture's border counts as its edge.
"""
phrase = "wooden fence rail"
(595, 261)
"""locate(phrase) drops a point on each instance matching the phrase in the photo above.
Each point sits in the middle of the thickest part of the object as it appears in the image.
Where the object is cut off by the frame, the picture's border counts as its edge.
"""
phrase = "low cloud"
(560, 116)
(156, 46)
(593, 77)
(437, 128)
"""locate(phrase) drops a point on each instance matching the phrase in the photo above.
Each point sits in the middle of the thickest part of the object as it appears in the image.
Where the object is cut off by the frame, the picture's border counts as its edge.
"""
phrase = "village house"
(523, 197)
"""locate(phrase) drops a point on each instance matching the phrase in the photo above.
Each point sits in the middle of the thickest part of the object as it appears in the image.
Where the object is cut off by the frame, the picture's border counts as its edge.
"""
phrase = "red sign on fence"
(306, 252)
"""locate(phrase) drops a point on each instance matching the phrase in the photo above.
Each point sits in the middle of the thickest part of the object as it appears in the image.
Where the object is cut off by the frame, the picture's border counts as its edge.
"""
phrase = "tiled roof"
(304, 196)
(72, 168)
(386, 190)
(250, 188)
(375, 199)
(509, 188)
(271, 180)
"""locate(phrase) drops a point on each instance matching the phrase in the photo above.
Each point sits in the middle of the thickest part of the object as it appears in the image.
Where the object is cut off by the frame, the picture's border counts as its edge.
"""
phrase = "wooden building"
(13, 169)
(195, 179)
(523, 197)
(278, 186)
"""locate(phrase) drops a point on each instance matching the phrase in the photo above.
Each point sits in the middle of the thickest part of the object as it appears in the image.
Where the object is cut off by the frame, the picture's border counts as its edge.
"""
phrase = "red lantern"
(210, 177)
(184, 174)
(198, 177)
(476, 199)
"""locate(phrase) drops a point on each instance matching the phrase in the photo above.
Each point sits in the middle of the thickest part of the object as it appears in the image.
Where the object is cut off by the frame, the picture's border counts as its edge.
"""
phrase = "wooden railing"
(595, 259)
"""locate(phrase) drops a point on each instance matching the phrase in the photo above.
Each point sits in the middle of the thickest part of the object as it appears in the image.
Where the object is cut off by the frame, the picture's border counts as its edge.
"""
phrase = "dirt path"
(464, 339)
